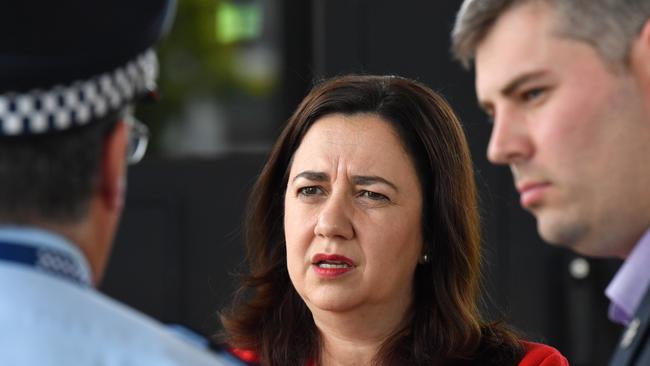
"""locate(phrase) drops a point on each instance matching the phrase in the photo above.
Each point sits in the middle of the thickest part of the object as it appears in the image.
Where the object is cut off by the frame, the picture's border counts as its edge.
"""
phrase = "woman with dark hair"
(363, 239)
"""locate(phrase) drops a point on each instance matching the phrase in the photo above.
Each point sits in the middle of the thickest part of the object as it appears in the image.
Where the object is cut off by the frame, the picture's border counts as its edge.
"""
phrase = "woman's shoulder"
(246, 357)
(538, 354)
(236, 356)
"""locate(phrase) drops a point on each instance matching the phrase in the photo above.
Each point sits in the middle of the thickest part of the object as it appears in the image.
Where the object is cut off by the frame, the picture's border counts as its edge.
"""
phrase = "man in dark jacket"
(567, 84)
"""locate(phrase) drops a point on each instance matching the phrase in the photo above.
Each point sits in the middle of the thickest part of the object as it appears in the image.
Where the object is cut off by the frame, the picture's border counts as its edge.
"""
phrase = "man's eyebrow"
(510, 88)
(312, 175)
(366, 180)
(518, 81)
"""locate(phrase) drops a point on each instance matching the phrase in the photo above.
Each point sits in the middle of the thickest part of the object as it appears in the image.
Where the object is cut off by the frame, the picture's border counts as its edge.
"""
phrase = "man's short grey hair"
(610, 26)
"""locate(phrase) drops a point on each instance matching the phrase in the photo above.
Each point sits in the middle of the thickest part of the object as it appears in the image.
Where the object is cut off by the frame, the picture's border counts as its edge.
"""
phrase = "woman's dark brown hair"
(444, 326)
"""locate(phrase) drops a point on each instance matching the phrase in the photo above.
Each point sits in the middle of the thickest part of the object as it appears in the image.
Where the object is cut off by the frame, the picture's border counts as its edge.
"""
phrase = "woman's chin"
(335, 303)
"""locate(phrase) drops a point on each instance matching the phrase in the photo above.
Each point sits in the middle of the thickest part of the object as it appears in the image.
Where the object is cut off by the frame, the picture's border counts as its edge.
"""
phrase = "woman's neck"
(355, 337)
(342, 351)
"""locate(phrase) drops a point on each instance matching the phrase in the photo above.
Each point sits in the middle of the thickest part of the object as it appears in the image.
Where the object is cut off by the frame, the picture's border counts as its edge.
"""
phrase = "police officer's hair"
(51, 178)
(610, 26)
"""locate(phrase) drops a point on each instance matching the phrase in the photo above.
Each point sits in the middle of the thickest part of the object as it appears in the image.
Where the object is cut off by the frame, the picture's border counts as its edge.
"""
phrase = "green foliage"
(197, 60)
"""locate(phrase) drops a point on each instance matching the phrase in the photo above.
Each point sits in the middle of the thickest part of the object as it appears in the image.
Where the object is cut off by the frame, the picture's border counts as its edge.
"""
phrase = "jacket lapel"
(635, 336)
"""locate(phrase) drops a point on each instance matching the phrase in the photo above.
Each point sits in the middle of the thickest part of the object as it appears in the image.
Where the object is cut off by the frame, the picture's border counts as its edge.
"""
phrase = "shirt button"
(579, 268)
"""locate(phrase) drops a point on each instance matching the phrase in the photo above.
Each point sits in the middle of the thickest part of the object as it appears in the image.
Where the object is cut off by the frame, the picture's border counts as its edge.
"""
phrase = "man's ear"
(640, 58)
(113, 168)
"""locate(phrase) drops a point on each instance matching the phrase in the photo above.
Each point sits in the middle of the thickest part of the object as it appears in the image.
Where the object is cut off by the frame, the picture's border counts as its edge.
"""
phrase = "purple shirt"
(630, 283)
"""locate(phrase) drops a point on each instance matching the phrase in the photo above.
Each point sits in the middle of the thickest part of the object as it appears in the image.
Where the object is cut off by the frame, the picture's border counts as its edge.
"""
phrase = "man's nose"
(510, 140)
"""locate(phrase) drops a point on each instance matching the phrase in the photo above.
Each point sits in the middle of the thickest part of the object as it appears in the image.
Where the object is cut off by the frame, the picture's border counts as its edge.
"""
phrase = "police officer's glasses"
(138, 139)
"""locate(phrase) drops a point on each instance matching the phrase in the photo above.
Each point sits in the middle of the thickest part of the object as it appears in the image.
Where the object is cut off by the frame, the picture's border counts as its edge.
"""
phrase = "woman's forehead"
(359, 144)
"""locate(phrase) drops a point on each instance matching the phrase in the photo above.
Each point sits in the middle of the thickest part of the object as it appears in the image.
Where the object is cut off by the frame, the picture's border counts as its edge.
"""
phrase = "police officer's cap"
(66, 63)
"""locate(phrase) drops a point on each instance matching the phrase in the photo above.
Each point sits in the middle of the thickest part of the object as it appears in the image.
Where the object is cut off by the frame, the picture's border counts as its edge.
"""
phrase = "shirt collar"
(630, 283)
(43, 239)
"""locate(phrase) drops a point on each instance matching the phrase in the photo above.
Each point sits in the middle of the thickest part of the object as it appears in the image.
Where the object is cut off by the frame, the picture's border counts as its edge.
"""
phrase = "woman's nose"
(334, 218)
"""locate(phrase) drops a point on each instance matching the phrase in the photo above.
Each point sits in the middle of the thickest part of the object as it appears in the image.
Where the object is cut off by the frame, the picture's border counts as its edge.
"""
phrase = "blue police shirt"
(50, 315)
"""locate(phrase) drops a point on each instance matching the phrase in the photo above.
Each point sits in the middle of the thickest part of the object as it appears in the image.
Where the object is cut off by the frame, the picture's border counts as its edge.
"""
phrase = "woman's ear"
(425, 256)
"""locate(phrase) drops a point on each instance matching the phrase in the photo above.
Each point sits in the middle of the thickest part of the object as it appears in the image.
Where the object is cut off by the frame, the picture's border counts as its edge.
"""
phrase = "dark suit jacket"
(634, 347)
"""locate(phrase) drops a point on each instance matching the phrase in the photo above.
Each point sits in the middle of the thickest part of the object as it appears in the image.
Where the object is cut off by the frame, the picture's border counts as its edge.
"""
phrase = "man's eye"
(532, 94)
(374, 196)
(309, 191)
(490, 118)
(489, 112)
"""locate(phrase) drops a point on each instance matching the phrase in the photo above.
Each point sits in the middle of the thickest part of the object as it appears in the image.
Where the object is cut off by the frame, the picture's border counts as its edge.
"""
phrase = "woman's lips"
(331, 265)
(530, 194)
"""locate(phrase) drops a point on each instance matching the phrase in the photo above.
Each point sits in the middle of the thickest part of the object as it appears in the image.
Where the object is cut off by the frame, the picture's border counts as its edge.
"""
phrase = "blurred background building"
(232, 73)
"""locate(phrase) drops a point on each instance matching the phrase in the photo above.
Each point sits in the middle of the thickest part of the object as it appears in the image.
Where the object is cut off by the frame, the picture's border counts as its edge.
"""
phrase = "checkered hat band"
(65, 107)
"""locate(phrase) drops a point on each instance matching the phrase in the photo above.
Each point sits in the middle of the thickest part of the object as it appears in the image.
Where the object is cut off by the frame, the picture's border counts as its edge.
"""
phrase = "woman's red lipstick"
(331, 265)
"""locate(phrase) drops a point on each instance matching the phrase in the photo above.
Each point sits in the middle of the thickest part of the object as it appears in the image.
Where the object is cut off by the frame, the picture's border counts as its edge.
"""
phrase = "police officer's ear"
(112, 183)
(640, 59)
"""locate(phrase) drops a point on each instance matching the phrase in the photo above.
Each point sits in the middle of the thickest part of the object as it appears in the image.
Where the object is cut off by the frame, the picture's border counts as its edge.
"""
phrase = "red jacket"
(537, 354)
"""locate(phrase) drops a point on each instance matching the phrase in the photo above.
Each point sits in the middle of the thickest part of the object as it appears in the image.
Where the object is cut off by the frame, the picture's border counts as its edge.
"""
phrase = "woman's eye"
(309, 191)
(374, 196)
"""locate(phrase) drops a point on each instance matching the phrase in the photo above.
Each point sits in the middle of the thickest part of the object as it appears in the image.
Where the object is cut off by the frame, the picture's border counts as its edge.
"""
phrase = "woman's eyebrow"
(312, 175)
(366, 180)
(360, 180)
